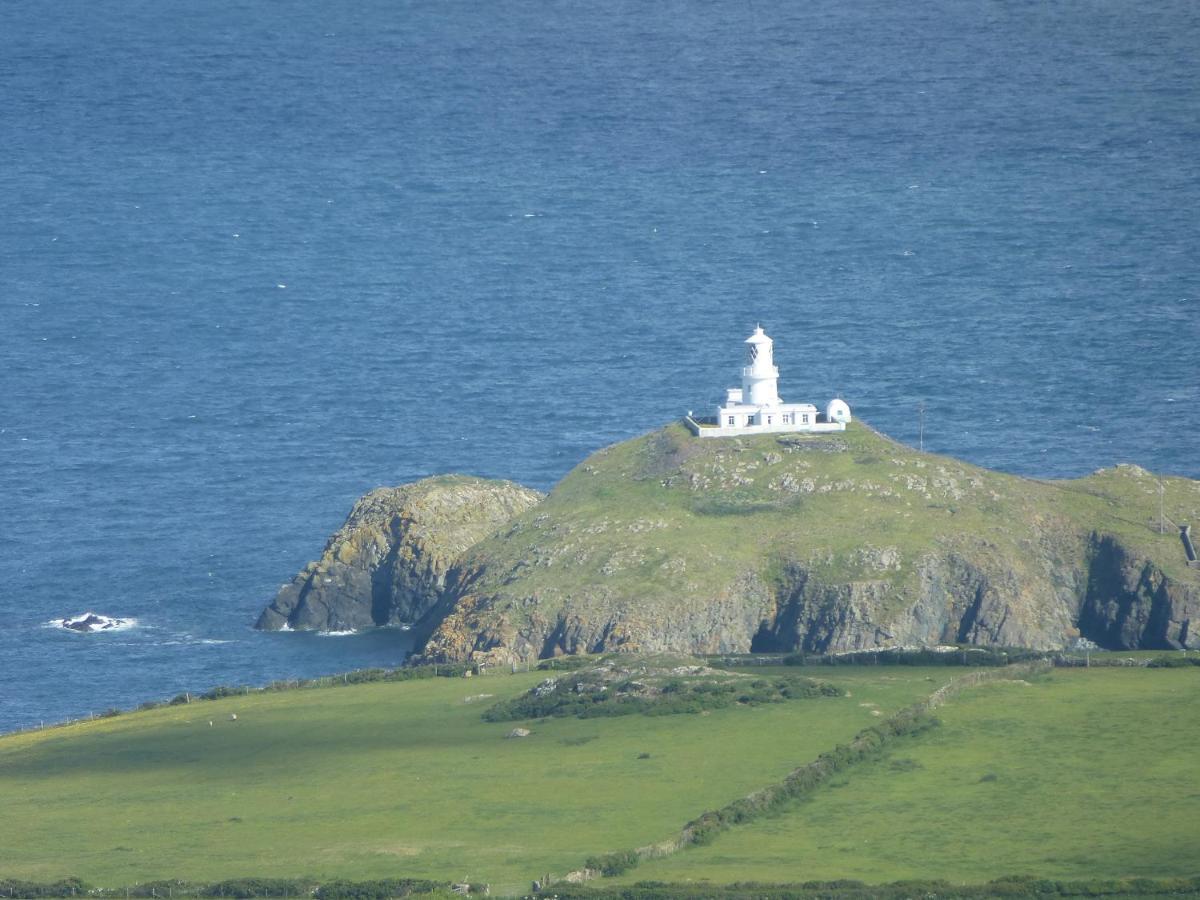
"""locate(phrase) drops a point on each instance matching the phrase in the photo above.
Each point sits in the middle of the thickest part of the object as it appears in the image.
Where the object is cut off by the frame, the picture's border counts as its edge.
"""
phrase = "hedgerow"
(963, 656)
(1173, 662)
(1010, 886)
(586, 697)
(242, 888)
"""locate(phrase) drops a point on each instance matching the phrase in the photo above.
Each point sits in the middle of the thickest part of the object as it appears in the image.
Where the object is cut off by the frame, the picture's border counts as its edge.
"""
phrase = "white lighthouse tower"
(760, 379)
(756, 408)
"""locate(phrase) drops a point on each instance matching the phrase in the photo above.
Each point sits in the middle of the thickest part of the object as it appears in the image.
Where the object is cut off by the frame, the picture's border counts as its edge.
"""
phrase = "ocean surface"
(258, 258)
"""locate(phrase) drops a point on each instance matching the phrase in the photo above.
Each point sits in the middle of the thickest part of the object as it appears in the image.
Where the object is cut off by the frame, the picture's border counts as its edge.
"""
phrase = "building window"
(749, 420)
(731, 420)
(769, 420)
(804, 418)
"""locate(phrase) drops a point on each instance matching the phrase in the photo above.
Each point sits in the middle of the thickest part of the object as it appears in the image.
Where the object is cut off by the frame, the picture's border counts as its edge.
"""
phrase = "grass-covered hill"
(1073, 774)
(668, 542)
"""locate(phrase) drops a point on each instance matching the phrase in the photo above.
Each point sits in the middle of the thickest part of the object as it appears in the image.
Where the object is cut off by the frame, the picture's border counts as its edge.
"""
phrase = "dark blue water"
(257, 258)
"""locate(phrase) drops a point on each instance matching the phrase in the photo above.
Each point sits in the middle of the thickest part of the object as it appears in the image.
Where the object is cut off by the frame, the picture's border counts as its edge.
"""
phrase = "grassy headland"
(777, 542)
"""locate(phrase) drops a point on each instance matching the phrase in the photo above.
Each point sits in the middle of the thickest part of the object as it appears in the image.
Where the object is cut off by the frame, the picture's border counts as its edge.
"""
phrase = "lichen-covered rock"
(389, 563)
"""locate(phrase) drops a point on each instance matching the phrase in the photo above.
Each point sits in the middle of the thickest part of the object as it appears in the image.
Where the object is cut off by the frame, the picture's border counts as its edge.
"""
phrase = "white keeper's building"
(756, 408)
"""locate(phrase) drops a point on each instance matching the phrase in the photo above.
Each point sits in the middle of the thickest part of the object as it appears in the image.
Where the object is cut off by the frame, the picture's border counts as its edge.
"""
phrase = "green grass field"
(395, 779)
(1079, 774)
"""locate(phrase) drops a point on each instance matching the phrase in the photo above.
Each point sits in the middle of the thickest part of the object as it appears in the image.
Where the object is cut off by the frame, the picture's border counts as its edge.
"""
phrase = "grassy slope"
(1094, 778)
(671, 516)
(399, 779)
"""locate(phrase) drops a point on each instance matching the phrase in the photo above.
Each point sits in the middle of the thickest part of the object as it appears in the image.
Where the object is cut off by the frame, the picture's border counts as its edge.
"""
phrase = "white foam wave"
(337, 633)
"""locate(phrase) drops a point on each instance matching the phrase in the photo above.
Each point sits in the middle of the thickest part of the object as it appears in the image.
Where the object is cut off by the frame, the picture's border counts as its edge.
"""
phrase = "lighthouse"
(756, 407)
(760, 377)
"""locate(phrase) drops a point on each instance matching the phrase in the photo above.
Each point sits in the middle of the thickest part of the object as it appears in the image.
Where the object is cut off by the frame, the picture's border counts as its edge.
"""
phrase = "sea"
(257, 258)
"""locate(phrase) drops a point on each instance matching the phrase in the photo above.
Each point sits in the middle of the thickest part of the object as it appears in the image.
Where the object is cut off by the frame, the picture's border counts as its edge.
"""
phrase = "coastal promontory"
(671, 542)
(388, 564)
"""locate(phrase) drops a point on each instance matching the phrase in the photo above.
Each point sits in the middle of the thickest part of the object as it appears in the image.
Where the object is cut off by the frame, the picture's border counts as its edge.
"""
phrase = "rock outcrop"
(1132, 604)
(844, 542)
(389, 563)
(90, 622)
(671, 543)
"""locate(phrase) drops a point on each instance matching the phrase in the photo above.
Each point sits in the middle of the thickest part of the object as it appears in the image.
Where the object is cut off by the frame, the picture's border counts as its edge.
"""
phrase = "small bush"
(1173, 662)
(244, 888)
(375, 890)
(65, 887)
(563, 664)
(613, 863)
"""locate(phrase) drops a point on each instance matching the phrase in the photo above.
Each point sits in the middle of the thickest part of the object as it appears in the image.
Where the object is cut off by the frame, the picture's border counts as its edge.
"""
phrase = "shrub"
(375, 890)
(223, 690)
(563, 664)
(613, 863)
(158, 889)
(1173, 662)
(256, 887)
(66, 887)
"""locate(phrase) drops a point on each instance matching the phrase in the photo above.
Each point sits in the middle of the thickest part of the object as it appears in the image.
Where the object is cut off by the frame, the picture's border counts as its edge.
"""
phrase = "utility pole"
(921, 417)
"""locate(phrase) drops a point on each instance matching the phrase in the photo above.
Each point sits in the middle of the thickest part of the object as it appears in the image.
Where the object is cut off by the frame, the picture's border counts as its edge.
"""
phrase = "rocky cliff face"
(1131, 603)
(389, 563)
(959, 595)
(773, 543)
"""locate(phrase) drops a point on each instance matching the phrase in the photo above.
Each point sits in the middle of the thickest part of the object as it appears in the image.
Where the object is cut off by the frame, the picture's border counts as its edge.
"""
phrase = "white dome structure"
(838, 411)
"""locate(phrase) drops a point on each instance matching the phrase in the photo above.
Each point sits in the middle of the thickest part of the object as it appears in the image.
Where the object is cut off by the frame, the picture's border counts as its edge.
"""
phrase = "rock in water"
(389, 563)
(89, 622)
